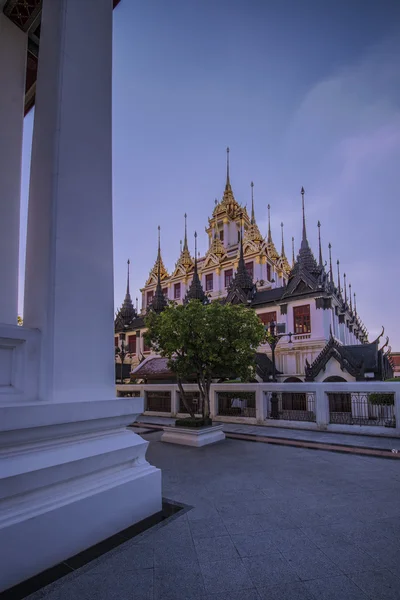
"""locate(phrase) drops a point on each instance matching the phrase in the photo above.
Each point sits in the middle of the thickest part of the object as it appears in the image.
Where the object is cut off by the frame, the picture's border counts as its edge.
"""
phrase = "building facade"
(314, 308)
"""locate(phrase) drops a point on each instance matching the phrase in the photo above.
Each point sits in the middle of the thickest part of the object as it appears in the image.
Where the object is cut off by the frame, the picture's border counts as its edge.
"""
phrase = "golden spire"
(253, 233)
(228, 183)
(272, 251)
(293, 261)
(228, 204)
(185, 260)
(284, 260)
(217, 248)
(159, 268)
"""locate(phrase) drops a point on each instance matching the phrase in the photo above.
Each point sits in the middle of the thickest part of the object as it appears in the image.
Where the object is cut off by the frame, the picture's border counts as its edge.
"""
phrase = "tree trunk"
(183, 396)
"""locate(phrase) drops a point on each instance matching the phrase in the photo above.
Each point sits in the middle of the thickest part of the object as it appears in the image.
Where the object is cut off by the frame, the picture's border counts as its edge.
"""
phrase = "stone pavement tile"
(253, 544)
(379, 584)
(208, 528)
(253, 523)
(237, 509)
(215, 549)
(287, 540)
(235, 595)
(101, 584)
(325, 535)
(233, 496)
(306, 517)
(311, 563)
(335, 588)
(225, 575)
(178, 584)
(269, 569)
(202, 510)
(286, 591)
(385, 552)
(175, 556)
(350, 558)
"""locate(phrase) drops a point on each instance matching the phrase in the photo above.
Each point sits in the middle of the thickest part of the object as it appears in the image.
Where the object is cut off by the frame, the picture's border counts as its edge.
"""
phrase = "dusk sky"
(304, 94)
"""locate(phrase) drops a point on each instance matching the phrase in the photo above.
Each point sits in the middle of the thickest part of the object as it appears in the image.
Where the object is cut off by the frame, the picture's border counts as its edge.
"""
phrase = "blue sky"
(304, 93)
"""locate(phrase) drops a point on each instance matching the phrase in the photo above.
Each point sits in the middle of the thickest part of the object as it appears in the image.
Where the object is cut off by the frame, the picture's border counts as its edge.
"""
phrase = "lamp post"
(122, 354)
(273, 339)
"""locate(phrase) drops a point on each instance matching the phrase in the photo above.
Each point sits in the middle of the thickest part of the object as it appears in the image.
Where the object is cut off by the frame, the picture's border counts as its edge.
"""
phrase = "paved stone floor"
(269, 522)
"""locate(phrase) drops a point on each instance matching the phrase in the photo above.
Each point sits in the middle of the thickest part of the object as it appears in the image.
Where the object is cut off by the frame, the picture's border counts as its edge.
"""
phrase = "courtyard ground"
(268, 523)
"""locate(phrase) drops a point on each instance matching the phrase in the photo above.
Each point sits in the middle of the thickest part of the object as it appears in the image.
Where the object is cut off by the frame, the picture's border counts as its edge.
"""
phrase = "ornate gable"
(333, 349)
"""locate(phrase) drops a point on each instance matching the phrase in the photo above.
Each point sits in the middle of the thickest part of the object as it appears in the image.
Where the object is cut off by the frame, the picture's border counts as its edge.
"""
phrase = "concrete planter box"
(188, 436)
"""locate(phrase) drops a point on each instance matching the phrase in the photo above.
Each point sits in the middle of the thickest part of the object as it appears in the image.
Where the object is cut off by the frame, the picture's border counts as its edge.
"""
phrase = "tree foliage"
(204, 342)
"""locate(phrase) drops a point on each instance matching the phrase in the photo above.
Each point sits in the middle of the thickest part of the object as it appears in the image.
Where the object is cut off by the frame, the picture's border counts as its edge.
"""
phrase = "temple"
(323, 336)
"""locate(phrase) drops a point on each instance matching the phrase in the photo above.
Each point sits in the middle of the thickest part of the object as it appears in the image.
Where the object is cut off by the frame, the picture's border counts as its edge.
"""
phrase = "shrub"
(193, 422)
(383, 399)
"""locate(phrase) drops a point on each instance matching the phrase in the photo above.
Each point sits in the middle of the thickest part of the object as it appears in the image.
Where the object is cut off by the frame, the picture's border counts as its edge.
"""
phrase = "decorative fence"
(236, 404)
(158, 401)
(294, 406)
(360, 407)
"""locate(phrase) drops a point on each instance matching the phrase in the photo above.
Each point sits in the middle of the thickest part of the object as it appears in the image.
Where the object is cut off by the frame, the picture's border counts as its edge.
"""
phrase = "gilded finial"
(253, 219)
(320, 262)
(293, 261)
(338, 276)
(330, 262)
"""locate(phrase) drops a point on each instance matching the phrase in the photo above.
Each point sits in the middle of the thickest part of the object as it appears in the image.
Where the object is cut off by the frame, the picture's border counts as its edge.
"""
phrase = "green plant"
(382, 399)
(204, 342)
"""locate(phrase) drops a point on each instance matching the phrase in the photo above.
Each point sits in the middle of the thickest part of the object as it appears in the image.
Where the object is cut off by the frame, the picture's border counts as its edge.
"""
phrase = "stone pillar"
(213, 402)
(13, 43)
(174, 401)
(321, 406)
(261, 405)
(69, 254)
(67, 453)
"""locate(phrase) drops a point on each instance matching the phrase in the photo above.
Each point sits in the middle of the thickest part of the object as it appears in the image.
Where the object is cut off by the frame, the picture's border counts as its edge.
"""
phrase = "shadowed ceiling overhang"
(26, 14)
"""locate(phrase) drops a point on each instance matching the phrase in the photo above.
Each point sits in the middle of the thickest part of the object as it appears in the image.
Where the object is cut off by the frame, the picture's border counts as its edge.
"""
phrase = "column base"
(63, 494)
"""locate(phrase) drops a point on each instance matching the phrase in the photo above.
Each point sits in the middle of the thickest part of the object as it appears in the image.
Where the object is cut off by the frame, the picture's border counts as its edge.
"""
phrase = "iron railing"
(294, 406)
(128, 394)
(361, 408)
(237, 404)
(193, 400)
(158, 401)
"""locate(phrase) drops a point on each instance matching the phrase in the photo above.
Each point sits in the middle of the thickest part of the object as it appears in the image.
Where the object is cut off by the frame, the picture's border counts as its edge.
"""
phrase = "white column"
(69, 257)
(13, 44)
(174, 401)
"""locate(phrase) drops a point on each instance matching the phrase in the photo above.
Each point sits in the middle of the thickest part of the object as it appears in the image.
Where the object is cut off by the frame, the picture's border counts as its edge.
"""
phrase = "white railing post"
(213, 402)
(174, 401)
(261, 405)
(397, 407)
(321, 407)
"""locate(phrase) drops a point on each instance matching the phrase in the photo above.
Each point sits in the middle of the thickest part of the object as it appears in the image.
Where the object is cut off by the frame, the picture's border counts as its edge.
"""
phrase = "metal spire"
(185, 244)
(304, 238)
(351, 304)
(330, 262)
(345, 288)
(180, 246)
(195, 292)
(283, 243)
(159, 302)
(127, 281)
(227, 167)
(137, 304)
(269, 225)
(253, 219)
(320, 263)
(293, 251)
(355, 305)
(338, 276)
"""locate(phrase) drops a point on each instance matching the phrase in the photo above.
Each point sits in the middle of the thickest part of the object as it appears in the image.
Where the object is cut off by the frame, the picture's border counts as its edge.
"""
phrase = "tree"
(204, 342)
(20, 321)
